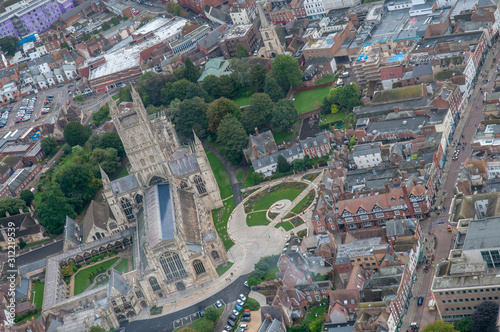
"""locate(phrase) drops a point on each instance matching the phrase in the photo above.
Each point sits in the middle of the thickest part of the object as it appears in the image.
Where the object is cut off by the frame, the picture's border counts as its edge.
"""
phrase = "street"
(467, 126)
(174, 320)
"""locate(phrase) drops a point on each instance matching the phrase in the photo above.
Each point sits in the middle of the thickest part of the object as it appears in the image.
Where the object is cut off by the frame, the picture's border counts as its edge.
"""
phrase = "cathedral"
(167, 198)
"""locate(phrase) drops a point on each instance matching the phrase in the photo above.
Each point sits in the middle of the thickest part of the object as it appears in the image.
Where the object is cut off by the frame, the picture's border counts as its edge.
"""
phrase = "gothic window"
(152, 158)
(215, 255)
(143, 163)
(172, 266)
(139, 294)
(98, 235)
(138, 198)
(133, 141)
(198, 267)
(127, 208)
(143, 140)
(200, 185)
(154, 284)
(183, 185)
(156, 180)
(267, 37)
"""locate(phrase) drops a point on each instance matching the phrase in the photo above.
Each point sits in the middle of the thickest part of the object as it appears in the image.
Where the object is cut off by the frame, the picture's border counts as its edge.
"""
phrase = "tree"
(79, 97)
(207, 326)
(9, 45)
(211, 313)
(189, 115)
(101, 115)
(107, 158)
(485, 317)
(231, 137)
(257, 77)
(317, 324)
(252, 304)
(287, 71)
(79, 184)
(283, 115)
(211, 86)
(27, 196)
(49, 145)
(97, 329)
(64, 45)
(299, 165)
(181, 89)
(150, 86)
(12, 206)
(191, 73)
(53, 209)
(241, 51)
(272, 88)
(346, 96)
(105, 26)
(258, 115)
(110, 139)
(283, 165)
(239, 73)
(115, 21)
(67, 271)
(218, 109)
(227, 86)
(22, 244)
(125, 94)
(439, 326)
(76, 134)
(463, 325)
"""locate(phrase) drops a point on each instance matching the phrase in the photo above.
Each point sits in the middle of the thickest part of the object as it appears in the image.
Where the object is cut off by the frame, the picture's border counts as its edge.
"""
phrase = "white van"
(243, 326)
(344, 74)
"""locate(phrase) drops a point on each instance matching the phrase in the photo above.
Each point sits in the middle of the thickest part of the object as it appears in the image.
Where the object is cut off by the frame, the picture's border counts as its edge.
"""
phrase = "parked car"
(60, 85)
(240, 302)
(246, 314)
(238, 307)
(218, 304)
(245, 319)
(231, 323)
(243, 326)
(232, 317)
(243, 297)
(235, 312)
(344, 74)
(420, 300)
(67, 102)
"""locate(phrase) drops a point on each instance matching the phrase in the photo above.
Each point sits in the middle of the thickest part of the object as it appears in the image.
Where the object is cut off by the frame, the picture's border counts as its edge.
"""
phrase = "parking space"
(189, 318)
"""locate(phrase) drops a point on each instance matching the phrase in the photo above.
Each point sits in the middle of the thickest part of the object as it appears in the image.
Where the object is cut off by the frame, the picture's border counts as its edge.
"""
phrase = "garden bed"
(304, 203)
(266, 198)
(311, 177)
(220, 217)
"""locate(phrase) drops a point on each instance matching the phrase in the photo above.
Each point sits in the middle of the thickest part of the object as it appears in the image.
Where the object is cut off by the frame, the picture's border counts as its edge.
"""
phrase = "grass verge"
(286, 225)
(38, 289)
(82, 281)
(221, 217)
(306, 101)
(240, 176)
(257, 219)
(221, 269)
(122, 266)
(220, 175)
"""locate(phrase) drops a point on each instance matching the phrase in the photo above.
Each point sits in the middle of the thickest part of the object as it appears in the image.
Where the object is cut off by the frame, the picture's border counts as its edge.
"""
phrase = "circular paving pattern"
(280, 206)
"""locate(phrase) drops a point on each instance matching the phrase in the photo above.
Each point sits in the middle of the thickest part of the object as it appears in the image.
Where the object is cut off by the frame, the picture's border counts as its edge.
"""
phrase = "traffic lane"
(166, 323)
(156, 8)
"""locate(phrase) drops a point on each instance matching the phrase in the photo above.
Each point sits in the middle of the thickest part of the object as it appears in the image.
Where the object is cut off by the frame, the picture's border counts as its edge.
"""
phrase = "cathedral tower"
(269, 36)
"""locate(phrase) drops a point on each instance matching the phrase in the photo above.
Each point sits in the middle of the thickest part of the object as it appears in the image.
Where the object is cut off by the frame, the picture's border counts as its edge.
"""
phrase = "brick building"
(246, 35)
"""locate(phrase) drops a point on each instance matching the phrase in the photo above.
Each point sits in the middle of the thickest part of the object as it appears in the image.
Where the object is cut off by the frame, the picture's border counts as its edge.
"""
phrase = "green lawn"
(339, 116)
(240, 176)
(123, 173)
(308, 100)
(221, 269)
(122, 266)
(249, 182)
(243, 98)
(280, 136)
(257, 219)
(304, 203)
(271, 273)
(286, 225)
(38, 242)
(325, 79)
(38, 288)
(398, 94)
(82, 281)
(265, 202)
(447, 74)
(220, 217)
(220, 175)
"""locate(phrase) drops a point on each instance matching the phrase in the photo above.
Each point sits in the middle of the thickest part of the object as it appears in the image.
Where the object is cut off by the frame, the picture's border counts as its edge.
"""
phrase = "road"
(172, 321)
(467, 127)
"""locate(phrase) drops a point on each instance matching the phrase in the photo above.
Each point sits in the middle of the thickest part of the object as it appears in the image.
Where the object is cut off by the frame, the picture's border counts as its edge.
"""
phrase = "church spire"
(106, 183)
(114, 112)
(263, 20)
(138, 105)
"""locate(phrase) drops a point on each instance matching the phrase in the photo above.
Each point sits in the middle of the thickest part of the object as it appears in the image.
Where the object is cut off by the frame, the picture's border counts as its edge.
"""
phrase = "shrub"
(252, 304)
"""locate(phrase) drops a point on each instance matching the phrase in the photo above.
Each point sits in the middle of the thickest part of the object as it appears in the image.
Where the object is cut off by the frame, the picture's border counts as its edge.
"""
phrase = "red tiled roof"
(389, 73)
(384, 201)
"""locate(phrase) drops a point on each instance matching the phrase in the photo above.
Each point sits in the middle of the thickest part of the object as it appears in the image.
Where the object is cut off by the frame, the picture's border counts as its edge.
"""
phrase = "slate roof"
(310, 142)
(7, 71)
(72, 230)
(365, 149)
(124, 184)
(185, 165)
(97, 214)
(76, 10)
(23, 289)
(210, 40)
(18, 177)
(160, 214)
(418, 71)
(30, 267)
(273, 159)
(397, 227)
(116, 282)
(8, 162)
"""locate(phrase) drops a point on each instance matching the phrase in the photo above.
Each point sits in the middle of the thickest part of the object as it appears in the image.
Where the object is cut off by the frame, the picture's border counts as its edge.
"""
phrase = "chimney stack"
(257, 131)
(404, 174)
(372, 192)
(275, 146)
(386, 185)
(255, 153)
(268, 148)
(415, 183)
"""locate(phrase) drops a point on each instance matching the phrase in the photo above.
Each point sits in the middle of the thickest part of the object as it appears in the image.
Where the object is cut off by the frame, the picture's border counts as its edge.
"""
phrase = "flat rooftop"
(431, 42)
(483, 234)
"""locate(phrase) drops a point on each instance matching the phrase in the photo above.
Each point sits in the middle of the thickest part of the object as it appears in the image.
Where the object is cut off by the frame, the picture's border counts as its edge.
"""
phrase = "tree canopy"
(218, 110)
(106, 158)
(485, 317)
(257, 77)
(49, 145)
(211, 86)
(439, 326)
(9, 45)
(12, 206)
(241, 51)
(53, 209)
(272, 88)
(27, 196)
(463, 325)
(258, 115)
(283, 165)
(287, 70)
(211, 313)
(110, 139)
(283, 115)
(76, 134)
(231, 137)
(191, 73)
(189, 115)
(79, 184)
(346, 96)
(181, 89)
